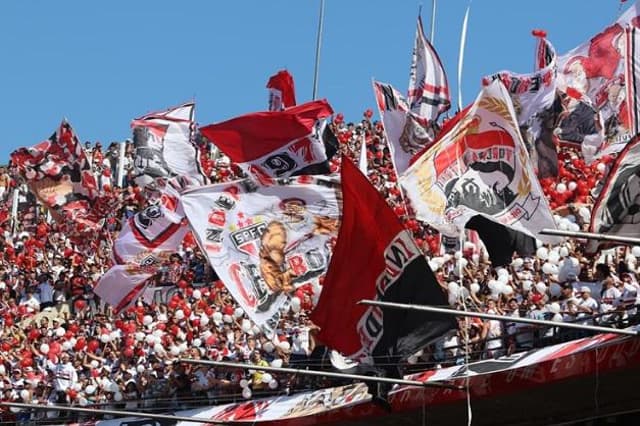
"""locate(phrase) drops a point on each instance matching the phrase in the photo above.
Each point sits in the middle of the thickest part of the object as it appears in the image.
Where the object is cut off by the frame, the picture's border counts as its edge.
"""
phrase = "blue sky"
(100, 64)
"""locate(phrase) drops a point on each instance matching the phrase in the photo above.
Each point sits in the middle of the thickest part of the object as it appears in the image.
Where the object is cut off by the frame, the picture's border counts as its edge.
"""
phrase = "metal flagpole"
(447, 311)
(138, 414)
(591, 235)
(320, 373)
(318, 44)
(463, 40)
(121, 155)
(433, 22)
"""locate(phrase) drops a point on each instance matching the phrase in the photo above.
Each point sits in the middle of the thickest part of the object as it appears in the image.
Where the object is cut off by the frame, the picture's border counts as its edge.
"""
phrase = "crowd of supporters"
(61, 345)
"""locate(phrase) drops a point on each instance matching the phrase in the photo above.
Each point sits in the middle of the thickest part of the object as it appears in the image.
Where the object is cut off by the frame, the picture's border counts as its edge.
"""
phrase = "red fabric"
(283, 81)
(368, 226)
(252, 136)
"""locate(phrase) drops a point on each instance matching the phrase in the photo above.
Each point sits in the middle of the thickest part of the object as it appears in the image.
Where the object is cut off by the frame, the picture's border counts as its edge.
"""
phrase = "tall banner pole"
(121, 156)
(318, 45)
(14, 208)
(463, 40)
(433, 23)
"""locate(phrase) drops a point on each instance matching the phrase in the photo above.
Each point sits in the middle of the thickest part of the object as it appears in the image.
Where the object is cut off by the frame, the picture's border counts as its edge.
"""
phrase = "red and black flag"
(376, 258)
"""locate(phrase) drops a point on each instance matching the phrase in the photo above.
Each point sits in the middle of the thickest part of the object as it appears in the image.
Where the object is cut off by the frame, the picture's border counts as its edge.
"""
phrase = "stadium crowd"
(61, 345)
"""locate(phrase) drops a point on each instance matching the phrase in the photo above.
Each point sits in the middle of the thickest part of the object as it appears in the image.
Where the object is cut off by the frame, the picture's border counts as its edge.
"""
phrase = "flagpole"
(119, 413)
(591, 236)
(433, 22)
(318, 45)
(482, 315)
(463, 40)
(121, 155)
(320, 373)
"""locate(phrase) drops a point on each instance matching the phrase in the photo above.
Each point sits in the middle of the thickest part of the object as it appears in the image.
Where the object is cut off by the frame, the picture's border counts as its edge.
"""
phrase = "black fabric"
(501, 242)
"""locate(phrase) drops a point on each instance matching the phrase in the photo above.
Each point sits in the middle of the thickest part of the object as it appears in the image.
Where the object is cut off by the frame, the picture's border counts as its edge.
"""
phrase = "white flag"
(265, 242)
(480, 166)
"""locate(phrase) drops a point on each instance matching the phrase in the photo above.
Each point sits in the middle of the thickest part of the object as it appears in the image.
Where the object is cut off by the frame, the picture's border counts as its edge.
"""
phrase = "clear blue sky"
(100, 64)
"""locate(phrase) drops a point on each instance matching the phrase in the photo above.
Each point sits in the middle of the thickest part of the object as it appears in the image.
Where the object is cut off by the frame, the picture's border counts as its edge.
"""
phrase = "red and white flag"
(123, 285)
(407, 133)
(266, 242)
(282, 91)
(376, 258)
(596, 71)
(164, 146)
(275, 143)
(428, 94)
(479, 166)
(59, 174)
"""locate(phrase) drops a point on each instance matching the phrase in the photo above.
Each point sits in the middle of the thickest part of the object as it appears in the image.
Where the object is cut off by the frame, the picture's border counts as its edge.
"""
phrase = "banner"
(479, 166)
(428, 94)
(282, 92)
(164, 147)
(264, 242)
(407, 133)
(275, 143)
(595, 70)
(533, 97)
(376, 258)
(617, 209)
(59, 174)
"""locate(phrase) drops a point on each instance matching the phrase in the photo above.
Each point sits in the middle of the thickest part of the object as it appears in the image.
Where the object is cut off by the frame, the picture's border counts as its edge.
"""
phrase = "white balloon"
(174, 350)
(507, 290)
(555, 289)
(217, 317)
(140, 368)
(554, 257)
(3, 370)
(158, 348)
(157, 332)
(94, 364)
(246, 393)
(266, 378)
(139, 336)
(635, 251)
(60, 331)
(526, 285)
(117, 397)
(541, 287)
(268, 347)
(256, 329)
(453, 287)
(564, 252)
(104, 338)
(295, 304)
(179, 314)
(204, 320)
(475, 288)
(285, 345)
(273, 384)
(517, 262)
(147, 320)
(572, 186)
(462, 263)
(197, 294)
(44, 348)
(244, 383)
(561, 187)
(547, 268)
(238, 312)
(83, 401)
(475, 258)
(24, 394)
(197, 342)
(493, 285)
(113, 387)
(227, 319)
(542, 253)
(246, 325)
(503, 279)
(554, 307)
(162, 318)
(277, 363)
(601, 167)
(90, 389)
(502, 272)
(66, 345)
(150, 339)
(457, 255)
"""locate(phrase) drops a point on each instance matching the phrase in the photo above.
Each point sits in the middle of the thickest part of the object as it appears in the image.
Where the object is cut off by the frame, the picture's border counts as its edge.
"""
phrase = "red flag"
(274, 143)
(376, 258)
(282, 91)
